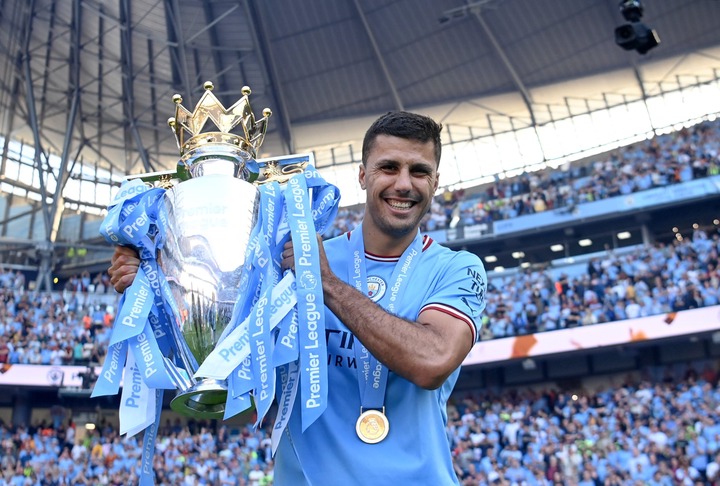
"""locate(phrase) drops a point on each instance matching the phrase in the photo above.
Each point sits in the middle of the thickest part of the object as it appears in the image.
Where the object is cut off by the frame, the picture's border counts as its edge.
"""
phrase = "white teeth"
(400, 205)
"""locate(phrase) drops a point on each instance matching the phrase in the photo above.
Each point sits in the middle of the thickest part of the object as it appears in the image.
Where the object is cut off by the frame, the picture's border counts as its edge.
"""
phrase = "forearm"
(413, 350)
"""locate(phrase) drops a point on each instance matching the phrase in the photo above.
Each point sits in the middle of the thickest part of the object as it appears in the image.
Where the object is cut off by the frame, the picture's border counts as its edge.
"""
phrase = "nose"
(403, 181)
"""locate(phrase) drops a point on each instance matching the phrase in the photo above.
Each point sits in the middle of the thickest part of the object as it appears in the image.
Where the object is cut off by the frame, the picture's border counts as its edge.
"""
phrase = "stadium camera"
(635, 35)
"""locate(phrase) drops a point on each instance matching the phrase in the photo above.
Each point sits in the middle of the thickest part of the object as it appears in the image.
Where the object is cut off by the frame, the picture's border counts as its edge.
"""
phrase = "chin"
(400, 229)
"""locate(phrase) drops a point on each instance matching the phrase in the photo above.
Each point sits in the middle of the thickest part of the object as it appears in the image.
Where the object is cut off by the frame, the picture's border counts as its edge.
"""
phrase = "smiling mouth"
(400, 204)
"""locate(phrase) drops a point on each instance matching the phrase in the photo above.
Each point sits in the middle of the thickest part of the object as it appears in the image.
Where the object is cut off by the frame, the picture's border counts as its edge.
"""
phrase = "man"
(436, 296)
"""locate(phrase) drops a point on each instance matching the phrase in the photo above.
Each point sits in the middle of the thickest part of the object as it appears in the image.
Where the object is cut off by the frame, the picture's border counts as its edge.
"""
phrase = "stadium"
(580, 163)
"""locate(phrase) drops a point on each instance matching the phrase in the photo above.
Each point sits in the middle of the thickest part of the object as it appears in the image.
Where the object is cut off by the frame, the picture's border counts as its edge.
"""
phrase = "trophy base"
(206, 399)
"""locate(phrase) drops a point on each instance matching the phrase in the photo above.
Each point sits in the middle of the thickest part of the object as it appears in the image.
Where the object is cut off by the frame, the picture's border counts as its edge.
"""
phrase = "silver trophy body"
(210, 218)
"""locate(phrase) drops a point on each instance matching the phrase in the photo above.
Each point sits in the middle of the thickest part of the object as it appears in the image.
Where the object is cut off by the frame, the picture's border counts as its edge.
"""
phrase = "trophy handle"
(276, 170)
(165, 179)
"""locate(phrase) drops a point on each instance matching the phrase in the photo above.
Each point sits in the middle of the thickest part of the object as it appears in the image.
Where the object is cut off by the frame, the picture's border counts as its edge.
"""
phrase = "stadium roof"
(104, 72)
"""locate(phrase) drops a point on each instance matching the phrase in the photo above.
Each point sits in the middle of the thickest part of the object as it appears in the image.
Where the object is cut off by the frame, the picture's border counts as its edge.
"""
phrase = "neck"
(379, 243)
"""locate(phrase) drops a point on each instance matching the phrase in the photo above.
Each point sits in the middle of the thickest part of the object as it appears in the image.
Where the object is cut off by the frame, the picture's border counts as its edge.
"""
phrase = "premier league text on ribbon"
(113, 369)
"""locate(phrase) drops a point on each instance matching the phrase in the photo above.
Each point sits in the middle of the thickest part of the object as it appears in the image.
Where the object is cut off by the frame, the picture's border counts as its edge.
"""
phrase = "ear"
(361, 176)
(437, 182)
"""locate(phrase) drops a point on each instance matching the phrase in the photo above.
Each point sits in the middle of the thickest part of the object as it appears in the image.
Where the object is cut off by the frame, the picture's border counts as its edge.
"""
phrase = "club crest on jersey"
(376, 288)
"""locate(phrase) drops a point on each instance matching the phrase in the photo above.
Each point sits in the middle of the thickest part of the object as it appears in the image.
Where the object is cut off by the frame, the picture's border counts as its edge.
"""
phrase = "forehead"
(388, 148)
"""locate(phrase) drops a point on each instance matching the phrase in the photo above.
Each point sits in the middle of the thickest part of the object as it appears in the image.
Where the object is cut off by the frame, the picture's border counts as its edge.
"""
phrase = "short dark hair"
(404, 124)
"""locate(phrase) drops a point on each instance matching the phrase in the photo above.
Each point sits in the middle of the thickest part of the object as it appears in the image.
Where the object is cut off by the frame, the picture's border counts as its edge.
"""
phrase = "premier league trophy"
(211, 204)
(210, 313)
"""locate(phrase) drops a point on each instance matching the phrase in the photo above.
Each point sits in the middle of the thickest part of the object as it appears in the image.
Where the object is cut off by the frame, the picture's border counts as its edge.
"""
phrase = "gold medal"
(372, 426)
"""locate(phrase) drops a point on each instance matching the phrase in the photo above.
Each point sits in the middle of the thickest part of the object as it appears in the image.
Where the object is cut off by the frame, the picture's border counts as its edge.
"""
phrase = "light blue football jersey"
(416, 449)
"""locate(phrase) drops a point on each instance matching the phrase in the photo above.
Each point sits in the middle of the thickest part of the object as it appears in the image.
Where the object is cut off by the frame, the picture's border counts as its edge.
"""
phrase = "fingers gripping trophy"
(210, 236)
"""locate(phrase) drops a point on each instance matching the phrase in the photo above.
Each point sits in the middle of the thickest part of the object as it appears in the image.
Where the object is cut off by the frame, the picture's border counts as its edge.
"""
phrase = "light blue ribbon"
(136, 218)
(253, 374)
(147, 477)
(108, 381)
(310, 304)
(286, 346)
(146, 322)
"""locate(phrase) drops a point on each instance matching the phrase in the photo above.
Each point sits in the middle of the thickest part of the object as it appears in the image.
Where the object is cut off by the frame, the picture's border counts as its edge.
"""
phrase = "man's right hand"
(124, 265)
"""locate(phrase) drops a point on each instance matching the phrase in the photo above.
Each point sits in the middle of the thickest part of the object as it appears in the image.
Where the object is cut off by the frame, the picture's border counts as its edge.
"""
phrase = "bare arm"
(425, 352)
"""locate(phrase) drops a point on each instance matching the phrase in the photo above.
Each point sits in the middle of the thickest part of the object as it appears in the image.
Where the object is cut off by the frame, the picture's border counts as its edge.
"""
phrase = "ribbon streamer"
(269, 330)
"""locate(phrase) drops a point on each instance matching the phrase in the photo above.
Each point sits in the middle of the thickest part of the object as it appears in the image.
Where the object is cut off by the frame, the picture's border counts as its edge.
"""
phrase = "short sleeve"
(460, 289)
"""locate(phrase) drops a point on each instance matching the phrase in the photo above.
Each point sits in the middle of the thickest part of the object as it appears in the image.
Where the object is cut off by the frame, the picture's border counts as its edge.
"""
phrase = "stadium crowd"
(650, 280)
(688, 154)
(73, 327)
(65, 328)
(653, 430)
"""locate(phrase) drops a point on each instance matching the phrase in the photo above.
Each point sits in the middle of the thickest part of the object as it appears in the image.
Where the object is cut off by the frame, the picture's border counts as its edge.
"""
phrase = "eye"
(422, 171)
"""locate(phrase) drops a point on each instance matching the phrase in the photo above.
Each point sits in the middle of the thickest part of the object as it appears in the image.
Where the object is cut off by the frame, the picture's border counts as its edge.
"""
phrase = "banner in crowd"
(661, 326)
(44, 375)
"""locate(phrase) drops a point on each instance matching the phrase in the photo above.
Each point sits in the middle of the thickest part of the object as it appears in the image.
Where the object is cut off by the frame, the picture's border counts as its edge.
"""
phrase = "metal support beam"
(641, 84)
(29, 212)
(6, 216)
(210, 22)
(35, 190)
(52, 226)
(74, 82)
(128, 81)
(48, 56)
(153, 96)
(379, 56)
(24, 60)
(180, 72)
(259, 30)
(100, 81)
(527, 97)
(10, 124)
(524, 93)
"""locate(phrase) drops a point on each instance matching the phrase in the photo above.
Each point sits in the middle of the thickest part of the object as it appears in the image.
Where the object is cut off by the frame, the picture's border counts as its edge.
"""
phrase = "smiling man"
(403, 312)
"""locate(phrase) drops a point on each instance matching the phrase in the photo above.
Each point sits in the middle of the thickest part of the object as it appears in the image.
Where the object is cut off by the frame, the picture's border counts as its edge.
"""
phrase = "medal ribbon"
(372, 374)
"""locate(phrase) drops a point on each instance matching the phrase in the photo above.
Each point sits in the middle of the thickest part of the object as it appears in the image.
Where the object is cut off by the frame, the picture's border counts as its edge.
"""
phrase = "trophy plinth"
(205, 399)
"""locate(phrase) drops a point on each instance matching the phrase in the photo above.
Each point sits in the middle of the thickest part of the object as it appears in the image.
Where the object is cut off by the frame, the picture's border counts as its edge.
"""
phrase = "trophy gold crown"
(235, 126)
